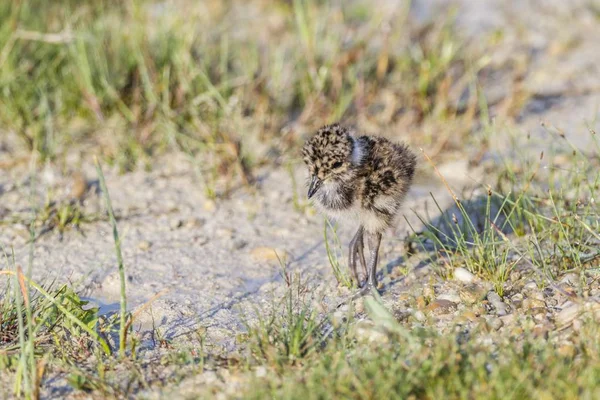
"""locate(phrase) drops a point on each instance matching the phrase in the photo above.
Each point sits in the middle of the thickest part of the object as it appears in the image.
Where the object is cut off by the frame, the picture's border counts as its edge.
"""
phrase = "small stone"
(450, 297)
(515, 276)
(469, 316)
(530, 285)
(540, 317)
(224, 233)
(567, 314)
(571, 279)
(496, 323)
(517, 300)
(268, 254)
(529, 304)
(367, 332)
(200, 240)
(499, 305)
(238, 244)
(463, 275)
(567, 291)
(419, 316)
(472, 293)
(421, 302)
(536, 295)
(79, 185)
(338, 318)
(260, 372)
(144, 245)
(479, 308)
(210, 205)
(440, 306)
(194, 223)
(428, 292)
(404, 297)
(175, 223)
(171, 206)
(508, 319)
(493, 297)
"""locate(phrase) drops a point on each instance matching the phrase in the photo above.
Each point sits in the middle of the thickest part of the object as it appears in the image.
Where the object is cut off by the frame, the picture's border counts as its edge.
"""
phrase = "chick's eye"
(337, 165)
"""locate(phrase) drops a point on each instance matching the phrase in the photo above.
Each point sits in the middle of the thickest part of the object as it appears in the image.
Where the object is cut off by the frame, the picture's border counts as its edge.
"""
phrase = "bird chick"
(362, 179)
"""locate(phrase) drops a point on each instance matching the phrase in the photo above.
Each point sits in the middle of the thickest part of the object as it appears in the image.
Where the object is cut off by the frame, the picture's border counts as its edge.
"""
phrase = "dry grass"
(211, 81)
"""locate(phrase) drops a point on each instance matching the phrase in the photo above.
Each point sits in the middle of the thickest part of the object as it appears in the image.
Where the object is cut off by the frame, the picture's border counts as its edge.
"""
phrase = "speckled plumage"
(363, 179)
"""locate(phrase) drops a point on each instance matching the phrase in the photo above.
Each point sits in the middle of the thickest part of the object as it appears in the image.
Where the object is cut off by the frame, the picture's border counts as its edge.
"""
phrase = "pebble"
(463, 275)
(508, 319)
(515, 276)
(499, 305)
(537, 295)
(496, 323)
(210, 377)
(238, 244)
(453, 297)
(567, 315)
(428, 292)
(194, 222)
(517, 300)
(224, 233)
(268, 254)
(419, 316)
(529, 304)
(260, 372)
(440, 306)
(144, 245)
(570, 312)
(570, 279)
(472, 293)
(540, 317)
(469, 316)
(210, 205)
(338, 318)
(171, 206)
(79, 185)
(200, 240)
(421, 302)
(175, 223)
(369, 333)
(404, 297)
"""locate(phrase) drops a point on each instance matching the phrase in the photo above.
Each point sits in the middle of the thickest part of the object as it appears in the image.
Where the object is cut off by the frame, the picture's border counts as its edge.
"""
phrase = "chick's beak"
(315, 184)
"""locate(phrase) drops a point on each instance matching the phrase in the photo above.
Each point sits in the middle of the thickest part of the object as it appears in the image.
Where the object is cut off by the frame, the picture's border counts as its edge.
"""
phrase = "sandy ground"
(206, 257)
(211, 261)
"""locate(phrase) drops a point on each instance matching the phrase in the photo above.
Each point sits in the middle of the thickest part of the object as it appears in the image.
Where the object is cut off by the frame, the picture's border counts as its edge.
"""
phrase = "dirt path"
(206, 258)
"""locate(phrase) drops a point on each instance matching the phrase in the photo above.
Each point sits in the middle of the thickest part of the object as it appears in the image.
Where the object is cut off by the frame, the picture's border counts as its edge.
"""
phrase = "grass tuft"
(123, 303)
(341, 273)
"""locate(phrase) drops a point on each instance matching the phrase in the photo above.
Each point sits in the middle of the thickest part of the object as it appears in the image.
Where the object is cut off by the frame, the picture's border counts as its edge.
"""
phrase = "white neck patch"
(358, 152)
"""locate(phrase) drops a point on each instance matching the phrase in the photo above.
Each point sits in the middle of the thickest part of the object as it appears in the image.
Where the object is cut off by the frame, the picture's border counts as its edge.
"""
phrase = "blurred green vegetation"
(232, 84)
